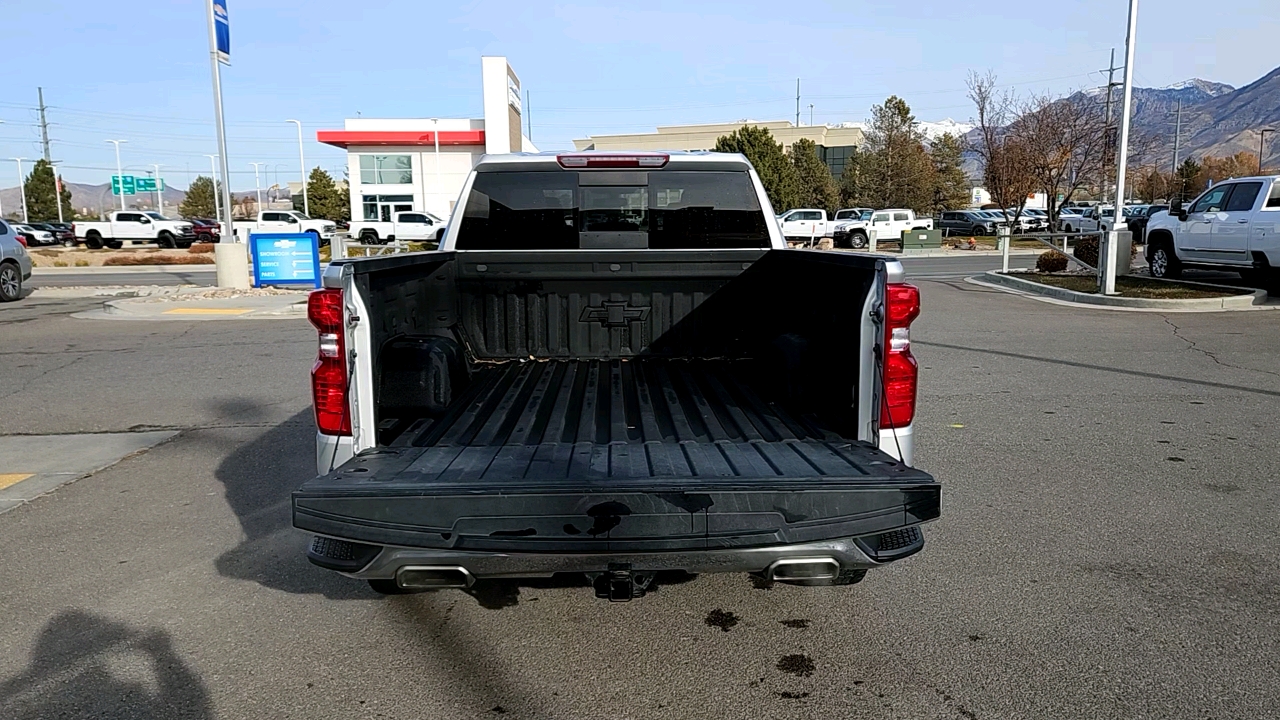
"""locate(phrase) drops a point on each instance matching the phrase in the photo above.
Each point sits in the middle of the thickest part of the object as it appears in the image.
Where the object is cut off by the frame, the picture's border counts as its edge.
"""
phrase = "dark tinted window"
(1242, 199)
(1213, 200)
(666, 209)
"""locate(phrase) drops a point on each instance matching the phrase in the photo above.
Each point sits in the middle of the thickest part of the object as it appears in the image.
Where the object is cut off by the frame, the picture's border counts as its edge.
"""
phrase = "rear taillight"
(628, 160)
(901, 375)
(21, 240)
(329, 375)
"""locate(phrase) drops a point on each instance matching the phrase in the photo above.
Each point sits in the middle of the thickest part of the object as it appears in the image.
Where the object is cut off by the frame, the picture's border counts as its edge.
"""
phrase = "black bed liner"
(609, 455)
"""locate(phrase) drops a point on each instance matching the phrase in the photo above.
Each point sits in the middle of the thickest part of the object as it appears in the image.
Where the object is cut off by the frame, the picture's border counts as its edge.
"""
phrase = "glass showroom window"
(386, 170)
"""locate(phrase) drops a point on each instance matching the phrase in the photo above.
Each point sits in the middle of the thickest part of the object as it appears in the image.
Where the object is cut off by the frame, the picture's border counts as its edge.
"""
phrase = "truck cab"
(1234, 225)
(804, 224)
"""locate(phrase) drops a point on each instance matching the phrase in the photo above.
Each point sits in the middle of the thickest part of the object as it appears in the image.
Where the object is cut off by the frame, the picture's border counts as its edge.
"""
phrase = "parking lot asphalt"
(1107, 548)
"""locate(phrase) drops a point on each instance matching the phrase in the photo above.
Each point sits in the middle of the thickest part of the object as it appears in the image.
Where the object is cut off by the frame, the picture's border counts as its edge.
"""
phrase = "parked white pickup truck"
(411, 226)
(286, 221)
(1234, 225)
(887, 224)
(805, 223)
(134, 226)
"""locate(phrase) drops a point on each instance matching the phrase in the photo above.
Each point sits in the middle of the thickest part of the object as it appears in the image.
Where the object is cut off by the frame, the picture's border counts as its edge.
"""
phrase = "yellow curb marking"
(12, 479)
(207, 311)
(956, 425)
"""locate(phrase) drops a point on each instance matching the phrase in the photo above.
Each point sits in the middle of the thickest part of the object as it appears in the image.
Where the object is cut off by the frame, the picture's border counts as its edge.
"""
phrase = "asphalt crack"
(1192, 345)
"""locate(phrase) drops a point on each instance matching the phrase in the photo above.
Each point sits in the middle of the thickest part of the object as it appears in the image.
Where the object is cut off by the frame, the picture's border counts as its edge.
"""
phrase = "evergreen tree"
(775, 169)
(852, 190)
(41, 189)
(897, 171)
(199, 201)
(1187, 181)
(951, 185)
(817, 189)
(327, 200)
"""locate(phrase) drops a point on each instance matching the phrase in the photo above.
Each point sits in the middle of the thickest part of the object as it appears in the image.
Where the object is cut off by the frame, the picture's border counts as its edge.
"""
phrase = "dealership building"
(835, 145)
(421, 163)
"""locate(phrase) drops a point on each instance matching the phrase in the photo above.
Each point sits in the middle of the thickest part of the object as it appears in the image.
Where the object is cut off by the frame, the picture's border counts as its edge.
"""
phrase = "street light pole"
(257, 185)
(159, 190)
(57, 189)
(213, 167)
(435, 134)
(119, 172)
(1126, 107)
(1262, 138)
(302, 161)
(22, 189)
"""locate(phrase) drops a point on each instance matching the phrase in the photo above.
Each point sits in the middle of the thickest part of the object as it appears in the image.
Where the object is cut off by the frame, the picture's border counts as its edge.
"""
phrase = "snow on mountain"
(1208, 87)
(931, 130)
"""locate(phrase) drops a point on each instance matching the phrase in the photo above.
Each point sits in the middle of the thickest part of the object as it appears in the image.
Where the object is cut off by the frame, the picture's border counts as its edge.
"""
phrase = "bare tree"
(1066, 144)
(1007, 165)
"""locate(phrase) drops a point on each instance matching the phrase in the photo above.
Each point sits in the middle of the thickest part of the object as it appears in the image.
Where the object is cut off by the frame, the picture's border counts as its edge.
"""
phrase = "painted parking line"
(7, 479)
(207, 311)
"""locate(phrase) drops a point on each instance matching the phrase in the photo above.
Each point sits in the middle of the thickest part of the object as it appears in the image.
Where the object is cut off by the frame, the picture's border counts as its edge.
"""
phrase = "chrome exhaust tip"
(804, 570)
(433, 577)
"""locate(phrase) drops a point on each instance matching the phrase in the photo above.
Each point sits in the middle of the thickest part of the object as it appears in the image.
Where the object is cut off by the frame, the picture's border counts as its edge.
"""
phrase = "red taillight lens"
(329, 375)
(21, 240)
(630, 160)
(901, 374)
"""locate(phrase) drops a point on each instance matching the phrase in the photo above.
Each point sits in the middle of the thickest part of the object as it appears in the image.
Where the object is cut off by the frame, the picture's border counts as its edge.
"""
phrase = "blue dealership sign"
(285, 259)
(222, 31)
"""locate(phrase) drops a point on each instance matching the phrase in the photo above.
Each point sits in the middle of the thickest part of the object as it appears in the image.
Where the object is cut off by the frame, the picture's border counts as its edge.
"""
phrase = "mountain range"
(1217, 119)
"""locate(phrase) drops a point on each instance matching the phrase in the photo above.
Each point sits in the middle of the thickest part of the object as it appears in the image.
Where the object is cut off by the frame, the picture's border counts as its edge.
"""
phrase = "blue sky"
(140, 70)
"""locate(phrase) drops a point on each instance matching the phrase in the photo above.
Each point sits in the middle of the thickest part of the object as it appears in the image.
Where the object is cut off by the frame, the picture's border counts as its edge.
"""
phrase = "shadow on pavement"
(1104, 368)
(258, 477)
(85, 666)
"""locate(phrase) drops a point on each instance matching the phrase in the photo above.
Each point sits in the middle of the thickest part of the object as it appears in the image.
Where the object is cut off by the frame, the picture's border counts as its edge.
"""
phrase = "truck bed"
(590, 455)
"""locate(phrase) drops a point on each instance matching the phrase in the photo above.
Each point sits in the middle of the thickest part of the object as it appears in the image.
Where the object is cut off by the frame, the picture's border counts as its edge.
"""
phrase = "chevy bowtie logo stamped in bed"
(614, 314)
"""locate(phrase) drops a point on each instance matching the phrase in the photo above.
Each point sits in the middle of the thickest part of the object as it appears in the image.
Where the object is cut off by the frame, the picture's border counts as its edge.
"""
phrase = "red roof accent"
(346, 138)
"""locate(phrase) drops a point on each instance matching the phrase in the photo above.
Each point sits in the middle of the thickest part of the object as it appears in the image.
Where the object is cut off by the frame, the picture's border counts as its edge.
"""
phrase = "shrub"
(159, 259)
(82, 263)
(1086, 250)
(59, 263)
(200, 248)
(1052, 261)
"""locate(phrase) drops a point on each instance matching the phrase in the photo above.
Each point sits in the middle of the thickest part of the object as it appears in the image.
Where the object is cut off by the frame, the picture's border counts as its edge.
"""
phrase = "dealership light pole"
(1113, 235)
(213, 167)
(119, 172)
(159, 190)
(257, 185)
(229, 255)
(22, 188)
(57, 189)
(302, 161)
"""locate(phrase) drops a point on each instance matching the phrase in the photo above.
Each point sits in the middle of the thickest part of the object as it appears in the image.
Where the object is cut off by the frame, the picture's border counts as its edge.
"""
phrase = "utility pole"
(44, 126)
(528, 117)
(119, 172)
(1177, 135)
(1262, 139)
(1108, 143)
(810, 114)
(257, 185)
(797, 102)
(22, 188)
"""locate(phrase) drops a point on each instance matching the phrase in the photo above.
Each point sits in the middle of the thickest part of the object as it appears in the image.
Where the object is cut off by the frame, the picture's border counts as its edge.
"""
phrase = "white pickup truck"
(594, 375)
(286, 221)
(805, 223)
(887, 224)
(134, 226)
(406, 226)
(1234, 225)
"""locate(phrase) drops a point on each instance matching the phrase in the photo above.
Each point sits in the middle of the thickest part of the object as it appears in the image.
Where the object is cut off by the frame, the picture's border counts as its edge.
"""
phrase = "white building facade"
(421, 163)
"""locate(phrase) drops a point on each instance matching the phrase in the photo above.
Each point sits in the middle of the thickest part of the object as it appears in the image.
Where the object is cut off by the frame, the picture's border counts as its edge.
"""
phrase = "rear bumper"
(847, 553)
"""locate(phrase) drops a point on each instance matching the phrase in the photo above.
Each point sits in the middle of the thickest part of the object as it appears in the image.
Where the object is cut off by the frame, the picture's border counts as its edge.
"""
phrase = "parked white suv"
(1233, 225)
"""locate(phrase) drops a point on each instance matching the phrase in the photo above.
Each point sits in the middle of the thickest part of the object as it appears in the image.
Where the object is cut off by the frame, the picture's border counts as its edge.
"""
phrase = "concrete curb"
(121, 310)
(1254, 300)
(945, 253)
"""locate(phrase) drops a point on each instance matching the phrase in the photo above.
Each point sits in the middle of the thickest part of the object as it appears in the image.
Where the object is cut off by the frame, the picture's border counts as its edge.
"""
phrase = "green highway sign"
(125, 183)
(147, 184)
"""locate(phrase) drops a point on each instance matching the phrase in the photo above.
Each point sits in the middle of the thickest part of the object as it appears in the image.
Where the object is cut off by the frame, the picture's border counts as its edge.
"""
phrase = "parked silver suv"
(15, 264)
